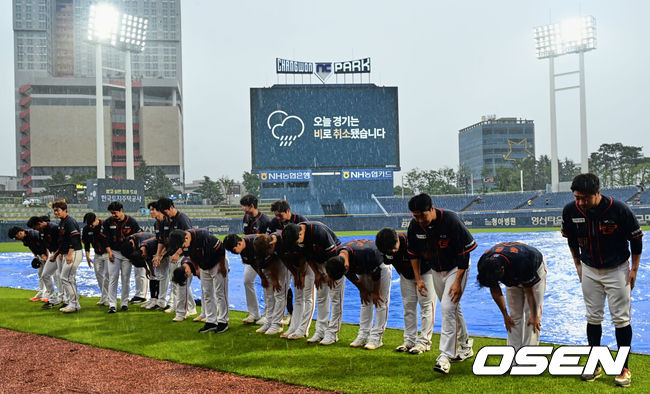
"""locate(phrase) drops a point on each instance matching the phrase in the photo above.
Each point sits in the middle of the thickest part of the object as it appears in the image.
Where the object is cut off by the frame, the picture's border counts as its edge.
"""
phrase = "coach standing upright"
(598, 229)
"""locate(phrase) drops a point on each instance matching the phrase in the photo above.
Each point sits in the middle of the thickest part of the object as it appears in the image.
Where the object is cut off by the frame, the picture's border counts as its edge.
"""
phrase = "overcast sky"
(452, 62)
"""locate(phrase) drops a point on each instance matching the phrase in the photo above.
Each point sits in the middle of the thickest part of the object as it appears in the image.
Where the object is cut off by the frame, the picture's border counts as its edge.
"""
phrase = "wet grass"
(242, 351)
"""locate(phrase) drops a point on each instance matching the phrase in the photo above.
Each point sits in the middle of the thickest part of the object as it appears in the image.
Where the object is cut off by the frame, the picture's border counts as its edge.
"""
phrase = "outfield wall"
(485, 220)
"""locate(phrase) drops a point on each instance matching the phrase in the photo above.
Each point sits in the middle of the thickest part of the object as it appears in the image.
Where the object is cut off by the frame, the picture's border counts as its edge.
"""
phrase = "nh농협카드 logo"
(284, 127)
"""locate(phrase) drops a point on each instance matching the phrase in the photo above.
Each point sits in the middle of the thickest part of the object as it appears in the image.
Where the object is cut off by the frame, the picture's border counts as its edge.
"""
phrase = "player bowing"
(362, 264)
(523, 270)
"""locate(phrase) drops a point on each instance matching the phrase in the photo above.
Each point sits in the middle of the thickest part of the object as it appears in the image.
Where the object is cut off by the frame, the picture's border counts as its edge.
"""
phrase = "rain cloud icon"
(284, 127)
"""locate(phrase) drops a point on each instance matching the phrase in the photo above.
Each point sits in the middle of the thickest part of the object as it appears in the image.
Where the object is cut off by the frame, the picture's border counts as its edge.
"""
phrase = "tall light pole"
(107, 26)
(571, 36)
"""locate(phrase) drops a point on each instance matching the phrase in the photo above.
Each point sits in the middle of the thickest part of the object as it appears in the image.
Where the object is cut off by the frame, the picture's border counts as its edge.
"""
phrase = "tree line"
(615, 164)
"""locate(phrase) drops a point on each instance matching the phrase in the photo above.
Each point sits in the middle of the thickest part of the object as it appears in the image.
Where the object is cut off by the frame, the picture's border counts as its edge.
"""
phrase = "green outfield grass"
(242, 351)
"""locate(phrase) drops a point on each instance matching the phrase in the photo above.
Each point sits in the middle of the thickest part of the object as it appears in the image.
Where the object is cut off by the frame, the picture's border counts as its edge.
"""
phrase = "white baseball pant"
(411, 297)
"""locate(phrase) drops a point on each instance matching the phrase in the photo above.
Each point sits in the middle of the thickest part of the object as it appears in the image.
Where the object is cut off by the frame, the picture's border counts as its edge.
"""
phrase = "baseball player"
(273, 276)
(601, 233)
(393, 246)
(91, 236)
(161, 232)
(254, 222)
(283, 216)
(522, 269)
(114, 233)
(244, 248)
(134, 242)
(440, 237)
(314, 243)
(32, 239)
(69, 254)
(362, 264)
(271, 247)
(208, 253)
(182, 278)
(50, 234)
(177, 221)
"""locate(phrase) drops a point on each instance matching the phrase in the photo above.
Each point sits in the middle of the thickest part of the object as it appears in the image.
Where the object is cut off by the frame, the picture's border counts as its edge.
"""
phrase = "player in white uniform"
(603, 234)
(438, 237)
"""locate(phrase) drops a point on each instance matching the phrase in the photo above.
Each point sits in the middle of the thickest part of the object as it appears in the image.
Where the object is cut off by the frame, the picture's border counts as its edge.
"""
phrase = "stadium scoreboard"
(328, 127)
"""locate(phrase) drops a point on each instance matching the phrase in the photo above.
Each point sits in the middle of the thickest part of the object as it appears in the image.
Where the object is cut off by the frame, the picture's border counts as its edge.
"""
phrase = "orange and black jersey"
(319, 243)
(139, 238)
(92, 236)
(445, 242)
(151, 246)
(521, 263)
(50, 235)
(275, 224)
(205, 249)
(401, 260)
(364, 258)
(34, 242)
(248, 254)
(180, 222)
(256, 224)
(602, 234)
(69, 235)
(161, 230)
(115, 232)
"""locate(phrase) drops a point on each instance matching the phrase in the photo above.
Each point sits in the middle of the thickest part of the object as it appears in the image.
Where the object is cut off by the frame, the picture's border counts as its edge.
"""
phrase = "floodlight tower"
(127, 33)
(570, 36)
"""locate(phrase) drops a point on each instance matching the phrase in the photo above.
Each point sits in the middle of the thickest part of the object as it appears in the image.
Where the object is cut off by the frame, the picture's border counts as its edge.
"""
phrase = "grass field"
(242, 351)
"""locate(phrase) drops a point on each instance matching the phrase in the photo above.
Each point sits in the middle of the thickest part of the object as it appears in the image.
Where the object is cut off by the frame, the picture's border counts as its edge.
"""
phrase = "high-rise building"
(55, 91)
(494, 143)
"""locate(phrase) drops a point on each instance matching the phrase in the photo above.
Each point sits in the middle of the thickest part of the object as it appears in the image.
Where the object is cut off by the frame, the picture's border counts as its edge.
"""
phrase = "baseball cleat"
(221, 327)
(261, 321)
(149, 304)
(464, 351)
(191, 312)
(200, 318)
(124, 308)
(208, 327)
(178, 318)
(405, 347)
(295, 336)
(419, 349)
(263, 329)
(374, 344)
(317, 337)
(286, 320)
(274, 330)
(169, 309)
(286, 334)
(250, 319)
(137, 300)
(34, 299)
(329, 340)
(64, 305)
(442, 364)
(45, 300)
(624, 379)
(598, 372)
(68, 309)
(48, 305)
(359, 342)
(111, 310)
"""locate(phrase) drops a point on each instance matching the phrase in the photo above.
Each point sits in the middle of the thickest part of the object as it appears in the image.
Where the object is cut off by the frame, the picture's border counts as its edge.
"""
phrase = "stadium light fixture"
(577, 35)
(108, 26)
